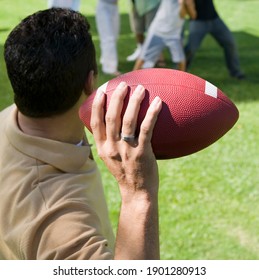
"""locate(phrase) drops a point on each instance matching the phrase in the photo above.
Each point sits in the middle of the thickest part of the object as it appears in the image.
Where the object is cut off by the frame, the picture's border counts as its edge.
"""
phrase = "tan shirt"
(52, 204)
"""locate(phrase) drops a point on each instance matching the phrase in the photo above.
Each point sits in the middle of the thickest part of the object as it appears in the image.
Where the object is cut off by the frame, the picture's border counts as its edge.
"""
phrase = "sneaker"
(240, 76)
(136, 54)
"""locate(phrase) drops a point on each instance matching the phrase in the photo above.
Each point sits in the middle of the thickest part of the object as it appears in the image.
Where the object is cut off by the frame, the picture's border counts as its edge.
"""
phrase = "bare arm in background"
(187, 7)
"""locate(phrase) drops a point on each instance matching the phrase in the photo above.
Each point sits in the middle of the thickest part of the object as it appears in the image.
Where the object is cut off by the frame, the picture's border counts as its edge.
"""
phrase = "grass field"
(209, 201)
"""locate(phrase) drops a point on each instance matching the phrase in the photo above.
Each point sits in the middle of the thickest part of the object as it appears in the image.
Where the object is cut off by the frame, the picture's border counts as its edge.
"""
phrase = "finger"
(131, 114)
(97, 117)
(113, 114)
(147, 126)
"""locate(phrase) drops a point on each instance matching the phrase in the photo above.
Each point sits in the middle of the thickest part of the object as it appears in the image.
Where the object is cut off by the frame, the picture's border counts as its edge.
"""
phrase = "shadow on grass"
(4, 29)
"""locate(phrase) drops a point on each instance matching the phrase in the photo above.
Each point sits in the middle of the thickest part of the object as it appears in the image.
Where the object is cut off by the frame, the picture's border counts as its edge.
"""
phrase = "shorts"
(155, 44)
(139, 24)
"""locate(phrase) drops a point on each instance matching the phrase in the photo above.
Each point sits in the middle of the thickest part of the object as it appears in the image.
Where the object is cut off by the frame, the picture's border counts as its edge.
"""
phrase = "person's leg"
(107, 20)
(138, 28)
(150, 52)
(139, 25)
(177, 53)
(138, 64)
(149, 16)
(197, 31)
(181, 65)
(225, 38)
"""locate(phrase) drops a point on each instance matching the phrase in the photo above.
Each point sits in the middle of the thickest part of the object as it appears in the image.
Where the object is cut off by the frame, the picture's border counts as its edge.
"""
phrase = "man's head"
(49, 56)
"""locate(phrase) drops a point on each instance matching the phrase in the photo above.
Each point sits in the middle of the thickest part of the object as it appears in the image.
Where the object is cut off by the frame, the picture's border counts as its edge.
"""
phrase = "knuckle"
(136, 99)
(145, 129)
(109, 153)
(93, 123)
(110, 119)
(113, 154)
(127, 122)
(100, 154)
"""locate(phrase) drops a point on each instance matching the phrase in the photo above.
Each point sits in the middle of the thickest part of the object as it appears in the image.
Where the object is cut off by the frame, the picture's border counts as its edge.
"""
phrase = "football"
(194, 114)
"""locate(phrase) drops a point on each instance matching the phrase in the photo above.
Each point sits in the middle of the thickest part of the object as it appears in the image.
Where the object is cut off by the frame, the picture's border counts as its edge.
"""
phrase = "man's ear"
(90, 83)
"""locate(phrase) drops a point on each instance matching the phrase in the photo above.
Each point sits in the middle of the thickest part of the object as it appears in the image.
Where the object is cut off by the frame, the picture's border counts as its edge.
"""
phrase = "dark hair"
(48, 57)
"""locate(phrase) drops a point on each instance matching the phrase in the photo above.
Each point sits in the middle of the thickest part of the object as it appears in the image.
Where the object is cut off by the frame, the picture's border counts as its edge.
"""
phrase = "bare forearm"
(138, 231)
(190, 8)
(187, 7)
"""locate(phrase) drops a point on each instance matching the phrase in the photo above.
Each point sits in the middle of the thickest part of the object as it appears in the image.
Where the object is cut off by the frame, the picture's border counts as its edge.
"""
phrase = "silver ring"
(128, 138)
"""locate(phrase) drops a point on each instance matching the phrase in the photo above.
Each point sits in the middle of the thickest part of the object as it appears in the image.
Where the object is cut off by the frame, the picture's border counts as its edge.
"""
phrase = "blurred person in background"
(208, 21)
(166, 31)
(141, 15)
(108, 26)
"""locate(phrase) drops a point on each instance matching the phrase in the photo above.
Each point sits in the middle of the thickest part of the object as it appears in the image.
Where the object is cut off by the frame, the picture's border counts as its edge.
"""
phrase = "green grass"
(209, 201)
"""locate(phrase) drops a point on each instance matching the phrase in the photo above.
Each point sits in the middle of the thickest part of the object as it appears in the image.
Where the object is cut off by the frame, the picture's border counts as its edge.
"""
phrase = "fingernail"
(121, 85)
(157, 100)
(139, 88)
(99, 93)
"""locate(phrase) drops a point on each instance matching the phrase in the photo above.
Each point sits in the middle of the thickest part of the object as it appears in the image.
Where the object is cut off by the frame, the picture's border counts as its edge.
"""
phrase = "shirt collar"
(64, 156)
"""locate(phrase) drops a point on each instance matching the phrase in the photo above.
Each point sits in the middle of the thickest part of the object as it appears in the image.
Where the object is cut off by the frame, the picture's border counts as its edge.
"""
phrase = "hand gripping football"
(194, 113)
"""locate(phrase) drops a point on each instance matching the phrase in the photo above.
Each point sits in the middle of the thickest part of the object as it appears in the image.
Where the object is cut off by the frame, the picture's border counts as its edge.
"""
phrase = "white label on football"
(211, 90)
